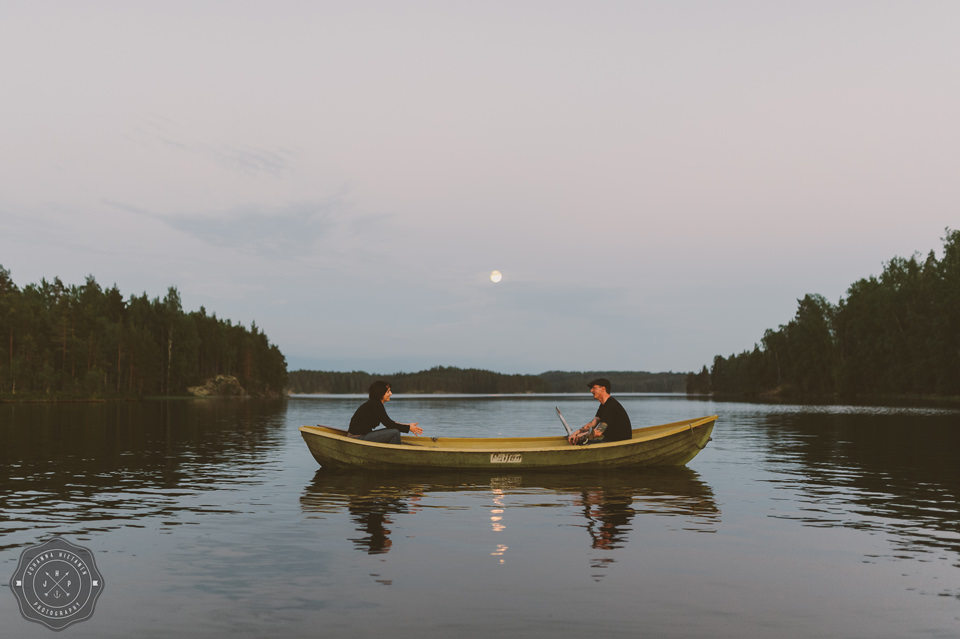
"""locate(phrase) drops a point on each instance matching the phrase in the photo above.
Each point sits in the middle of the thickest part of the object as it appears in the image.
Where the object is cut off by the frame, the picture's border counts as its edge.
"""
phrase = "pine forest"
(86, 342)
(895, 336)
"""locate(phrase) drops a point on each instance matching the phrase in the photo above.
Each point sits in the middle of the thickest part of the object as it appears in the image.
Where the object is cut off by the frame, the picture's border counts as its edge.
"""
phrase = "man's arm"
(583, 431)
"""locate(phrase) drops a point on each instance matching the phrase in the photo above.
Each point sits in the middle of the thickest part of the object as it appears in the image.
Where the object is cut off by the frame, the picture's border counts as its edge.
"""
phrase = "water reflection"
(371, 509)
(604, 505)
(608, 515)
(835, 522)
(894, 474)
(75, 469)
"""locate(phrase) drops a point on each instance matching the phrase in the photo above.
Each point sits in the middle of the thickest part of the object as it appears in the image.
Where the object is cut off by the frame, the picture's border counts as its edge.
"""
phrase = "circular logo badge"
(57, 583)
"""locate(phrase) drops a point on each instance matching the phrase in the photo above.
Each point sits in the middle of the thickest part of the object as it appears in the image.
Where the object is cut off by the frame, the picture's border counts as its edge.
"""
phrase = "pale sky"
(658, 182)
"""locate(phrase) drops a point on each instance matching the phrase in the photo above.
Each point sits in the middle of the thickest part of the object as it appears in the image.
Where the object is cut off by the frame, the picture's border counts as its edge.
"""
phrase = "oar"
(560, 415)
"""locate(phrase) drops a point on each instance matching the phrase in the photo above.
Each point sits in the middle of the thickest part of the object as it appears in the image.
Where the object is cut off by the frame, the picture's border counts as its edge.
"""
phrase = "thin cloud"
(254, 161)
(249, 159)
(281, 233)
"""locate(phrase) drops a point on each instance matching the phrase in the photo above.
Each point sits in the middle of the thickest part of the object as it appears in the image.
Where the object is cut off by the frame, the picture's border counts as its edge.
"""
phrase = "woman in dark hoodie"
(372, 413)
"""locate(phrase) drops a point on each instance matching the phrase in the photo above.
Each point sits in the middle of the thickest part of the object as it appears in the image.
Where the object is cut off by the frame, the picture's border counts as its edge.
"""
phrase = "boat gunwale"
(556, 443)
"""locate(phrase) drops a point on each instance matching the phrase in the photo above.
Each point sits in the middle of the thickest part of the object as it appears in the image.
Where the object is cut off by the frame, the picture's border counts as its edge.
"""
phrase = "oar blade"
(563, 421)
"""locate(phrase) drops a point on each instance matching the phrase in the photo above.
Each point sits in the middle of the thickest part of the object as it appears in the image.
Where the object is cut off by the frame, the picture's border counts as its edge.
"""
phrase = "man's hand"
(579, 436)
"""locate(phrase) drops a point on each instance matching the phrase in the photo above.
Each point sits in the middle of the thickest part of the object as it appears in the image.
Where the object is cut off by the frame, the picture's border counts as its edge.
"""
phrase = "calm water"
(210, 519)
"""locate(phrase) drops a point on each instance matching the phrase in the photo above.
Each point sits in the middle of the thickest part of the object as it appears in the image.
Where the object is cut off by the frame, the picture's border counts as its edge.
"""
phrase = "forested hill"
(896, 335)
(459, 380)
(60, 341)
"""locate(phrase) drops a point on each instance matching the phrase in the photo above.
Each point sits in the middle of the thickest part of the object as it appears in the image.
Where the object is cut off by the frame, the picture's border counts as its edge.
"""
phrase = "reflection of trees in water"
(889, 473)
(99, 466)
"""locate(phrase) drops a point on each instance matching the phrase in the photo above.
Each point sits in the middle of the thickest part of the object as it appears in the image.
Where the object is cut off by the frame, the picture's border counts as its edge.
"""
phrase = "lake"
(209, 518)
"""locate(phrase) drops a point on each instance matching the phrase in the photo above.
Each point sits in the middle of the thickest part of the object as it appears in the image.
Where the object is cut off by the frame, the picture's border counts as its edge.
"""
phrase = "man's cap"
(602, 381)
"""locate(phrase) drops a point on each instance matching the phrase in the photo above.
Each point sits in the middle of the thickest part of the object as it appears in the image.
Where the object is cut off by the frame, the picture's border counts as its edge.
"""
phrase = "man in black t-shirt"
(611, 423)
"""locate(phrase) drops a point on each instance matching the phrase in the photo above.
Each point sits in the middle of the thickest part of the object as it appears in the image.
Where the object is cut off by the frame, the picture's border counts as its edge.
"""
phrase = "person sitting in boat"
(372, 413)
(611, 423)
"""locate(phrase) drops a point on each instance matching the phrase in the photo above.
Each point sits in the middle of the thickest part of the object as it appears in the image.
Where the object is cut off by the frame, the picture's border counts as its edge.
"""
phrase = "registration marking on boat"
(506, 458)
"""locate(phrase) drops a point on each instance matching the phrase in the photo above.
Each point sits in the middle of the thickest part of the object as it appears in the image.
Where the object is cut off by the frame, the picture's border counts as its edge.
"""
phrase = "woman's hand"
(416, 430)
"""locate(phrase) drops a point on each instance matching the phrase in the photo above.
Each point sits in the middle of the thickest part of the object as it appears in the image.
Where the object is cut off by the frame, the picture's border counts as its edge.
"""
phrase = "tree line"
(893, 335)
(84, 341)
(444, 379)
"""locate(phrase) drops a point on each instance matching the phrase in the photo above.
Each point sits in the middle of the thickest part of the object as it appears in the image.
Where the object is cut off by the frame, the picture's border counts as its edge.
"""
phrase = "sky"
(657, 182)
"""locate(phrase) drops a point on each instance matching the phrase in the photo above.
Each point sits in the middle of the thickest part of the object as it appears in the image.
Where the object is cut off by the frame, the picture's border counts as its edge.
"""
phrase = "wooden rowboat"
(671, 444)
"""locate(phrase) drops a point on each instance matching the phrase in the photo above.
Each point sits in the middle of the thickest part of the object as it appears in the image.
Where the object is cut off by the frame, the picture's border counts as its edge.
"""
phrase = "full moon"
(496, 277)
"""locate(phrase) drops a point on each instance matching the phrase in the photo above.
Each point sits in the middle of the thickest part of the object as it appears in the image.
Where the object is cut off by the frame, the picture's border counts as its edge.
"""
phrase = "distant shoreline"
(469, 381)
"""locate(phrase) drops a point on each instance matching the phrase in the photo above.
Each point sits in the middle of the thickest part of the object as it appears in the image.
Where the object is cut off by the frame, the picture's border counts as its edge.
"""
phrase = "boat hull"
(671, 444)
